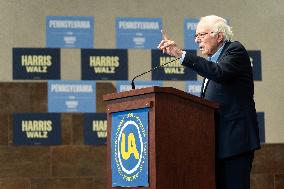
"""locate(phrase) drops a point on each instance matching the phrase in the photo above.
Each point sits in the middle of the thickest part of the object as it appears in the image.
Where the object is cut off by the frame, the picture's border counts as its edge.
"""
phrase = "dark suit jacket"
(231, 85)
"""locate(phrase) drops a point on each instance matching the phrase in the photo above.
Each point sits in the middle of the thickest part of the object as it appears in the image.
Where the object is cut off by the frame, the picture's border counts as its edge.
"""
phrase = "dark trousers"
(234, 172)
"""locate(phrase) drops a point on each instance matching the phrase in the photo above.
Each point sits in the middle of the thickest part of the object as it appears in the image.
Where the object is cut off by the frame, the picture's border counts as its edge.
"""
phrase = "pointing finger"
(165, 35)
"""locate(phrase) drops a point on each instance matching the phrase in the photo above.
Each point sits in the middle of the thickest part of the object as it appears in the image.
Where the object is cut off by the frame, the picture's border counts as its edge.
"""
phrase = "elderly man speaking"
(228, 80)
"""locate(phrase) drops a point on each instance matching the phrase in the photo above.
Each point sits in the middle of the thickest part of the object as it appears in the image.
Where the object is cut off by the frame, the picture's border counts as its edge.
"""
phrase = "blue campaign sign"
(129, 147)
(70, 31)
(171, 71)
(261, 125)
(36, 129)
(255, 59)
(126, 85)
(138, 32)
(36, 63)
(72, 96)
(193, 87)
(95, 128)
(104, 64)
(189, 32)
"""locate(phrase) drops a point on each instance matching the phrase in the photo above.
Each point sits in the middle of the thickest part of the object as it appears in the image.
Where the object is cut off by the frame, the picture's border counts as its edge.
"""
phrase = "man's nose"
(197, 40)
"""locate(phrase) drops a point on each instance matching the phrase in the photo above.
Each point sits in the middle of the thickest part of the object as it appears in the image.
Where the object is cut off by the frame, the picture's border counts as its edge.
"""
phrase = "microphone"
(162, 65)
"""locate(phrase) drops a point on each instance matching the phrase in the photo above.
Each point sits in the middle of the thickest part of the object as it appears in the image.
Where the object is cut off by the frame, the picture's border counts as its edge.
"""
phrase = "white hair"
(217, 24)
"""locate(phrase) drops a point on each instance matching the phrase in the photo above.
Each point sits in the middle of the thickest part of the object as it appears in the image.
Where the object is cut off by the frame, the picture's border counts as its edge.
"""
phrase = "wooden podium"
(181, 137)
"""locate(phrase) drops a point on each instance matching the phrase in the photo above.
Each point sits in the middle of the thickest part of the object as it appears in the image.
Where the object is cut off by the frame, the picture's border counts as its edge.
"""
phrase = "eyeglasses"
(201, 35)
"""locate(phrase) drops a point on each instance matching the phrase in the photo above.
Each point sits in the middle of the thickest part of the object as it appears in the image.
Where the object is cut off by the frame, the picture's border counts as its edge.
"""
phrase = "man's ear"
(220, 37)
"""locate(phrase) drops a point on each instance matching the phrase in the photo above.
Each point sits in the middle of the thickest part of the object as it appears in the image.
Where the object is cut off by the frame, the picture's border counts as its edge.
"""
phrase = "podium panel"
(129, 160)
(160, 138)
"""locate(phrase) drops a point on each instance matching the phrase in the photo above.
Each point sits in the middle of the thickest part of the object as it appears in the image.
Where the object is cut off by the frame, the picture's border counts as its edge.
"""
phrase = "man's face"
(207, 42)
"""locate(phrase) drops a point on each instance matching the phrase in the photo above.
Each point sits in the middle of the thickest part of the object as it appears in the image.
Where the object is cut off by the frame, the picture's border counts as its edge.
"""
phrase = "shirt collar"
(216, 55)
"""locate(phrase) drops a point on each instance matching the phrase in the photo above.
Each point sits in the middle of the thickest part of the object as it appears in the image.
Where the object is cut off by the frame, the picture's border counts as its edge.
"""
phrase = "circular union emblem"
(130, 147)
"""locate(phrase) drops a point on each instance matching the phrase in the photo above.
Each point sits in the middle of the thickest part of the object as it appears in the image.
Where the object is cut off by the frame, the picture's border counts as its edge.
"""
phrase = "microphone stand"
(132, 82)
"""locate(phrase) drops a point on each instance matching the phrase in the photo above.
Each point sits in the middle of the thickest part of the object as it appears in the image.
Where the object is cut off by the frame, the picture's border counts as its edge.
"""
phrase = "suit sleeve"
(233, 62)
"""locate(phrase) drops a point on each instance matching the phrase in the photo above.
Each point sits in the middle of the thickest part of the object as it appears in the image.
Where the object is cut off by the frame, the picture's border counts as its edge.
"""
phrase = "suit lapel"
(222, 55)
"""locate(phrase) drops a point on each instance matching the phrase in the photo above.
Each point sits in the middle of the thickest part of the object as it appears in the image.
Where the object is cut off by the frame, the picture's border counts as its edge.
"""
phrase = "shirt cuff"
(182, 57)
